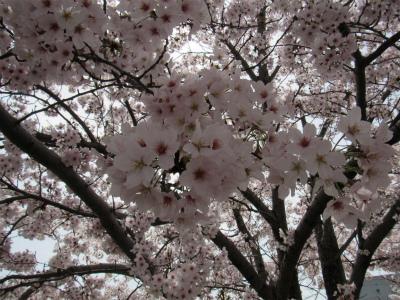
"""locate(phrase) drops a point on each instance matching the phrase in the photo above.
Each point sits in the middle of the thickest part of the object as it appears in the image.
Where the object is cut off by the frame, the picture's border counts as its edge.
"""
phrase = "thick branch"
(371, 243)
(27, 293)
(382, 48)
(272, 218)
(244, 267)
(71, 271)
(35, 280)
(361, 63)
(329, 256)
(301, 235)
(240, 58)
(30, 145)
(279, 210)
(359, 72)
(395, 128)
(264, 211)
(258, 259)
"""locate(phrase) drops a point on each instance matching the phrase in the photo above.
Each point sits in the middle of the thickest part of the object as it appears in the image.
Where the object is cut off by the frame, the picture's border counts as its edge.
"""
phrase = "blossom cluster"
(9, 163)
(190, 151)
(195, 149)
(19, 261)
(323, 26)
(66, 137)
(46, 37)
(373, 156)
(294, 155)
(176, 182)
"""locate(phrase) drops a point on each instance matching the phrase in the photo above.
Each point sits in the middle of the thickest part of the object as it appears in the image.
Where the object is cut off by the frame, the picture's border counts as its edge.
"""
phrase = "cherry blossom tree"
(186, 149)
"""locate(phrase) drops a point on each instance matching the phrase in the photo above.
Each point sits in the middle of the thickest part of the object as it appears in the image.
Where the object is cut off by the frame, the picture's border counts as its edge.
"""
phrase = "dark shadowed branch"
(35, 149)
(329, 256)
(371, 243)
(264, 290)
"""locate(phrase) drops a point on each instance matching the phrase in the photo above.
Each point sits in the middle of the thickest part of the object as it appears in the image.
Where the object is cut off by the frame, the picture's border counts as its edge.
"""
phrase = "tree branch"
(48, 141)
(259, 262)
(264, 290)
(26, 196)
(40, 278)
(359, 72)
(264, 211)
(70, 271)
(395, 128)
(329, 256)
(371, 243)
(382, 48)
(69, 110)
(30, 145)
(239, 57)
(279, 210)
(301, 235)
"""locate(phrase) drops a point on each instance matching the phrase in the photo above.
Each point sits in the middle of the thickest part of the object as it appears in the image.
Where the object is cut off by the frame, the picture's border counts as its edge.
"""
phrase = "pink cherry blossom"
(342, 212)
(352, 126)
(198, 149)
